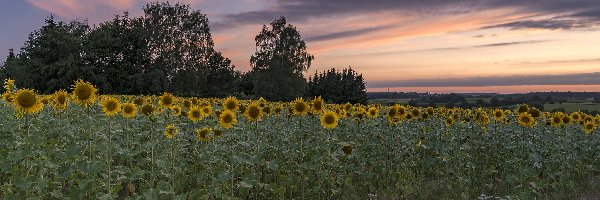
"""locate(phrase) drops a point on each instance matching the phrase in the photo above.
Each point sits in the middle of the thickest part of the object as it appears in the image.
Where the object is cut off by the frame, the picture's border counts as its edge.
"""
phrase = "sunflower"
(317, 105)
(372, 112)
(167, 100)
(401, 111)
(525, 119)
(522, 109)
(44, 99)
(277, 110)
(84, 93)
(203, 134)
(171, 131)
(195, 114)
(231, 103)
(329, 120)
(253, 112)
(300, 107)
(206, 110)
(449, 121)
(576, 117)
(60, 100)
(498, 114)
(110, 106)
(176, 110)
(556, 120)
(147, 109)
(227, 119)
(187, 104)
(140, 101)
(129, 110)
(535, 113)
(392, 114)
(7, 96)
(27, 101)
(566, 119)
(589, 127)
(9, 85)
(267, 110)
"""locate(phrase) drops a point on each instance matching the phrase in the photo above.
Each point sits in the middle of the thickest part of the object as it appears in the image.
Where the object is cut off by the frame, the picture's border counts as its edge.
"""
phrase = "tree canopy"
(170, 48)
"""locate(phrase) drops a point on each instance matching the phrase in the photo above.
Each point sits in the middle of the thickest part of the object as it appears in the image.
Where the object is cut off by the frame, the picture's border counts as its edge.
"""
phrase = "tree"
(279, 62)
(339, 86)
(169, 48)
(52, 57)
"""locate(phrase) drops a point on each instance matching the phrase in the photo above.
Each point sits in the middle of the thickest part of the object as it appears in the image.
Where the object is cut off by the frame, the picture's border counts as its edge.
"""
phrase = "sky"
(411, 45)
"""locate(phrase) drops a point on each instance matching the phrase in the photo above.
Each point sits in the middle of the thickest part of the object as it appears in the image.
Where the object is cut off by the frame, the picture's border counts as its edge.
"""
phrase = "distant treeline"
(468, 100)
(170, 49)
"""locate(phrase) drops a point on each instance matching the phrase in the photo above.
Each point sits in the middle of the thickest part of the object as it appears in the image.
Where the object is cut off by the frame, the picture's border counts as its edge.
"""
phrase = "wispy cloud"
(501, 44)
(345, 34)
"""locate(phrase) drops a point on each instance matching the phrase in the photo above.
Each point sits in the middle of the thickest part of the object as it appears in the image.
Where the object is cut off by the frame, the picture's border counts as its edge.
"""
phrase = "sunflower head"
(110, 106)
(84, 93)
(7, 96)
(195, 114)
(329, 120)
(206, 110)
(140, 101)
(566, 119)
(300, 107)
(167, 100)
(9, 85)
(148, 109)
(317, 105)
(556, 120)
(372, 112)
(27, 101)
(59, 100)
(203, 134)
(522, 109)
(231, 103)
(449, 121)
(525, 119)
(498, 114)
(176, 110)
(227, 119)
(589, 127)
(253, 112)
(129, 110)
(171, 131)
(187, 104)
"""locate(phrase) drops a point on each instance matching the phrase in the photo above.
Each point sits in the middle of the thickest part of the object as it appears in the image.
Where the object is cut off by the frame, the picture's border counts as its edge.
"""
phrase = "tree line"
(170, 49)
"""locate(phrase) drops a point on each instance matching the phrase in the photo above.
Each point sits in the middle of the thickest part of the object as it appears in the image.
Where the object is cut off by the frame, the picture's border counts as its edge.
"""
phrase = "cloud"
(577, 13)
(569, 79)
(344, 34)
(501, 44)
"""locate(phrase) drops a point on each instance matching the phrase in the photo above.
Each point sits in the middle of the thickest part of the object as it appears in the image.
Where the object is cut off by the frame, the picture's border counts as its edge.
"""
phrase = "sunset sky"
(418, 45)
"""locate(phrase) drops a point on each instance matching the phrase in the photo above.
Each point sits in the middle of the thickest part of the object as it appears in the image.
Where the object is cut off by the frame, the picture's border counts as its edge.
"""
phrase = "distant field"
(573, 107)
(389, 101)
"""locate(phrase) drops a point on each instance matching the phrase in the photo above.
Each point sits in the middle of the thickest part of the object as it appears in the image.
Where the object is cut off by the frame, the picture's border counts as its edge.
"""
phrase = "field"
(573, 107)
(82, 145)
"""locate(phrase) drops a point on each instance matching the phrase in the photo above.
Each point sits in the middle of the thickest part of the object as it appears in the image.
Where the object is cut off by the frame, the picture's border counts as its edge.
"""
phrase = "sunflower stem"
(108, 161)
(174, 173)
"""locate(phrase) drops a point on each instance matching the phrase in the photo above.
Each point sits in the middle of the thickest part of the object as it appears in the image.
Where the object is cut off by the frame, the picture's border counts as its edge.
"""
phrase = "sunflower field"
(83, 145)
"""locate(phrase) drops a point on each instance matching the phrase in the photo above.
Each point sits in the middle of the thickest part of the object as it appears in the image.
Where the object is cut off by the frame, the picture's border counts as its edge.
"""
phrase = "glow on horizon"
(493, 89)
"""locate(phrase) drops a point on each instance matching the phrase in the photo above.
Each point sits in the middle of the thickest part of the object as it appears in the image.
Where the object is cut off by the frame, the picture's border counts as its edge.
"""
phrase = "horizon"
(454, 46)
